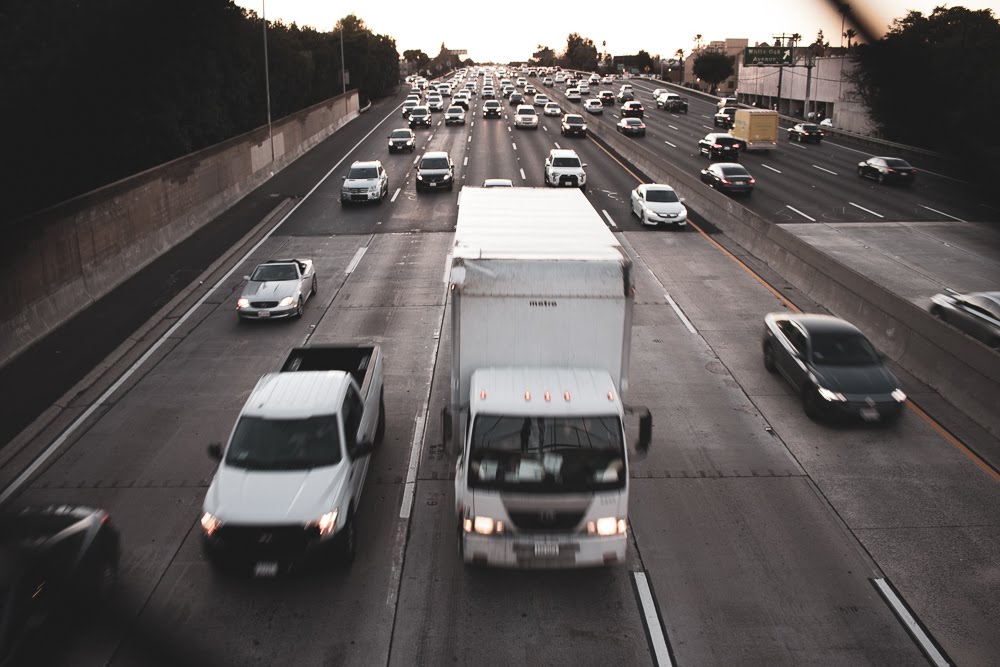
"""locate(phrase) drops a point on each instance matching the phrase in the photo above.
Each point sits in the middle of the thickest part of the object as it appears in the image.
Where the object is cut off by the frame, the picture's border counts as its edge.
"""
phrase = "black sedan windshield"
(832, 349)
(284, 444)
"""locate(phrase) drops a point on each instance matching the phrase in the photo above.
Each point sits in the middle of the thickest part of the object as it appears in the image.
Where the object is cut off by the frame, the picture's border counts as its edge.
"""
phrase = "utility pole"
(343, 76)
(267, 84)
(781, 41)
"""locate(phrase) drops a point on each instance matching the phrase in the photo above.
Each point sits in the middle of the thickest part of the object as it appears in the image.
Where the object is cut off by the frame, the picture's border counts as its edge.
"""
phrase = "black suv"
(632, 110)
(573, 125)
(420, 117)
(435, 172)
(720, 146)
(492, 109)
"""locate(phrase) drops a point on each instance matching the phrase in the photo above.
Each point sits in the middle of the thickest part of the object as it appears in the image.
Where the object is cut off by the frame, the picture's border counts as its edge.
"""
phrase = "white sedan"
(278, 288)
(657, 204)
(552, 109)
(593, 106)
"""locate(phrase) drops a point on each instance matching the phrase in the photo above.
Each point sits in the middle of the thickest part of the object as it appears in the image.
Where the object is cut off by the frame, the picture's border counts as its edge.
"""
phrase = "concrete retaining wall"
(66, 257)
(962, 370)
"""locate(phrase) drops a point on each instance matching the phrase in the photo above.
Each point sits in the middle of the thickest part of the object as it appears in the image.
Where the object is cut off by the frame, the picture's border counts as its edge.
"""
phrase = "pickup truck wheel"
(380, 428)
(347, 549)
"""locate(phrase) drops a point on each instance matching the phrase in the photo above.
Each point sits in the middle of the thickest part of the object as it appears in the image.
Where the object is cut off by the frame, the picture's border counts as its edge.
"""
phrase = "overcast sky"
(503, 31)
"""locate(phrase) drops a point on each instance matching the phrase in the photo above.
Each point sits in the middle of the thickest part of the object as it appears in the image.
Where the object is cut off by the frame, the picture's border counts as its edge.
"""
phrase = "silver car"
(977, 314)
(277, 288)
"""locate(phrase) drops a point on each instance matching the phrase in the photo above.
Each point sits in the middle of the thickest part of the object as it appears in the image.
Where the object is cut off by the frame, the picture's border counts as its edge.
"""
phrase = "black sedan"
(720, 147)
(633, 110)
(631, 127)
(606, 97)
(56, 563)
(887, 170)
(805, 132)
(833, 368)
(977, 314)
(729, 177)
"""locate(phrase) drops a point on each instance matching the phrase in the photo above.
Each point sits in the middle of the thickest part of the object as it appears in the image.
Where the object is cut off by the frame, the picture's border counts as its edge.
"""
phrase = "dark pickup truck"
(672, 102)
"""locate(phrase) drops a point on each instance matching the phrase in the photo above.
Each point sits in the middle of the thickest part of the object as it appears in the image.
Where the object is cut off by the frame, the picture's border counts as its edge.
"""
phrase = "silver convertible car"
(277, 288)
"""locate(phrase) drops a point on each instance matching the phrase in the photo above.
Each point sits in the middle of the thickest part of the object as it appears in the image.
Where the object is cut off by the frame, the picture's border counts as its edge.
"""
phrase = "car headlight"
(484, 525)
(409, 142)
(448, 177)
(242, 303)
(373, 190)
(210, 523)
(327, 523)
(420, 176)
(287, 301)
(898, 395)
(831, 395)
(607, 526)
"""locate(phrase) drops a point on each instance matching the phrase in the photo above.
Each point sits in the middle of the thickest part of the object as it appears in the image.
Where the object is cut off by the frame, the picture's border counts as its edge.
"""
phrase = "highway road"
(756, 535)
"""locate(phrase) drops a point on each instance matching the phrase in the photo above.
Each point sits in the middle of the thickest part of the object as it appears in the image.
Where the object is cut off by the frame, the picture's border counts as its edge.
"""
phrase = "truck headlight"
(484, 525)
(898, 395)
(327, 523)
(210, 523)
(831, 395)
(607, 526)
(242, 303)
(287, 301)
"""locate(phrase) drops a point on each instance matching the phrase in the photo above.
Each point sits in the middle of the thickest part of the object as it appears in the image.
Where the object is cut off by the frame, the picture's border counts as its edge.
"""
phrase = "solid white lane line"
(771, 168)
(942, 213)
(680, 314)
(394, 195)
(411, 471)
(110, 391)
(707, 127)
(810, 219)
(661, 654)
(816, 166)
(556, 144)
(912, 626)
(673, 127)
(465, 162)
(357, 258)
(514, 145)
(670, 144)
(608, 216)
(523, 177)
(867, 210)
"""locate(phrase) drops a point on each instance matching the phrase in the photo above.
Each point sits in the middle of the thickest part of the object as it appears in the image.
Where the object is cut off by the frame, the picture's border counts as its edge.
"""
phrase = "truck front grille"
(547, 521)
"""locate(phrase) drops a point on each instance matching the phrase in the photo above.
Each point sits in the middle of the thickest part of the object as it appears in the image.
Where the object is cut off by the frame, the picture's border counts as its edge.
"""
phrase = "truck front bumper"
(543, 552)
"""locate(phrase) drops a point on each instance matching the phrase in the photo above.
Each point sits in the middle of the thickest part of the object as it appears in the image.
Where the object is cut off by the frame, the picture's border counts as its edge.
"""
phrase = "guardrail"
(961, 369)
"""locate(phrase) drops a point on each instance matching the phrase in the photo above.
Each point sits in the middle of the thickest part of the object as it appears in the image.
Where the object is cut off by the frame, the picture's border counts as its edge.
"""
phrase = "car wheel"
(810, 403)
(861, 172)
(769, 358)
(800, 138)
(299, 309)
(380, 428)
(881, 178)
(348, 546)
(938, 311)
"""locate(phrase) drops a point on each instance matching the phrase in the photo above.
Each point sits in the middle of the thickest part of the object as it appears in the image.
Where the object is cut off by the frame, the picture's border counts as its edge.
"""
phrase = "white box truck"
(755, 129)
(541, 305)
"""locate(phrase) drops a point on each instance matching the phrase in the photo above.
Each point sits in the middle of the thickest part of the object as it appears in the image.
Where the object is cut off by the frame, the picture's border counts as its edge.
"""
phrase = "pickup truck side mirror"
(362, 448)
(215, 451)
(446, 427)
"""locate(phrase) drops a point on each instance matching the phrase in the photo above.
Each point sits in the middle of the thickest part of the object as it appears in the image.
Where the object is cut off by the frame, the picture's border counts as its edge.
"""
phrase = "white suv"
(525, 116)
(564, 168)
(366, 181)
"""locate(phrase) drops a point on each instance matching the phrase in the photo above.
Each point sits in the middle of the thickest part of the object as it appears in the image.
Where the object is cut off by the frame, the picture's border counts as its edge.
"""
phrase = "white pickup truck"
(290, 478)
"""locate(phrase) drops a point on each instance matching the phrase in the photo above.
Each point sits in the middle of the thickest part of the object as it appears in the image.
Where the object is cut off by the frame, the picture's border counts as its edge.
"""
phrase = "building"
(731, 47)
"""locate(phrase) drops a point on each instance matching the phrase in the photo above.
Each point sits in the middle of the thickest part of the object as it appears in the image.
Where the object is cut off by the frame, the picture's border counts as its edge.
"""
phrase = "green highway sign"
(767, 55)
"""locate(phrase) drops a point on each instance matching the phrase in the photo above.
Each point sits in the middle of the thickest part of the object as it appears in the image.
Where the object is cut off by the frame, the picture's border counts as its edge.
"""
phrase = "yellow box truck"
(756, 129)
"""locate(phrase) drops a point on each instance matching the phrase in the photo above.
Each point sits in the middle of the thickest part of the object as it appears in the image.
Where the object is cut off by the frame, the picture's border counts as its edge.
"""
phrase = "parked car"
(573, 125)
(658, 204)
(631, 127)
(888, 170)
(975, 313)
(435, 171)
(365, 182)
(720, 146)
(805, 132)
(729, 177)
(832, 367)
(593, 106)
(633, 110)
(277, 288)
(564, 168)
(402, 139)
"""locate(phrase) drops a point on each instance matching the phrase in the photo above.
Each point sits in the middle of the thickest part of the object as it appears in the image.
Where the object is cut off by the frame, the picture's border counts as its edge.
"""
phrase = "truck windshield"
(546, 454)
(284, 444)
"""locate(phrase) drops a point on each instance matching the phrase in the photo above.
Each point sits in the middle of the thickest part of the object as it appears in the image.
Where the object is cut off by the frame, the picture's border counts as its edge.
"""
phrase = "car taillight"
(752, 180)
(725, 181)
(717, 146)
(890, 170)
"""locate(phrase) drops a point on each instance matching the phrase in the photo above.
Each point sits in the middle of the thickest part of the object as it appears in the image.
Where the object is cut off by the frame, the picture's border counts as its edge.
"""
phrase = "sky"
(502, 32)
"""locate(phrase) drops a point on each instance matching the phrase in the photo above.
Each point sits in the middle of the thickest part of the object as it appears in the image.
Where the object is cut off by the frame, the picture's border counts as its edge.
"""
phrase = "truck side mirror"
(362, 448)
(215, 451)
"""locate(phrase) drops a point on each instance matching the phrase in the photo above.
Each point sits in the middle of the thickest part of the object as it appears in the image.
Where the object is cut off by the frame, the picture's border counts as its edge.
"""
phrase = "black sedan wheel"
(810, 403)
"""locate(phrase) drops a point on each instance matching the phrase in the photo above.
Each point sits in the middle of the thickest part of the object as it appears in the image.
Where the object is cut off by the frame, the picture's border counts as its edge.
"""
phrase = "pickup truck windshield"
(284, 444)
(546, 454)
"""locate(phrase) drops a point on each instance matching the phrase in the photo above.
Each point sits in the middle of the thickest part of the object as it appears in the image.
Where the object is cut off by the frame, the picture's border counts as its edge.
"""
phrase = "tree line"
(93, 92)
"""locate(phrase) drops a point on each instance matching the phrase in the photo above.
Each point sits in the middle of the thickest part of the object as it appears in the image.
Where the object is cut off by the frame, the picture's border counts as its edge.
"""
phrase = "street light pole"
(343, 76)
(267, 83)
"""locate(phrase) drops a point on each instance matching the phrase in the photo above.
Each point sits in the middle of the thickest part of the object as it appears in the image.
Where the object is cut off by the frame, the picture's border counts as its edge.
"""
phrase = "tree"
(952, 49)
(680, 60)
(850, 34)
(417, 58)
(543, 57)
(714, 67)
(643, 61)
(580, 53)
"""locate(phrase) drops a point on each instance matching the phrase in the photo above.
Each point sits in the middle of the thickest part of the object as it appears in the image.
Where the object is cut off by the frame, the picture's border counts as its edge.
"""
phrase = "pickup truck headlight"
(287, 301)
(210, 523)
(484, 525)
(831, 395)
(327, 523)
(607, 526)
(242, 303)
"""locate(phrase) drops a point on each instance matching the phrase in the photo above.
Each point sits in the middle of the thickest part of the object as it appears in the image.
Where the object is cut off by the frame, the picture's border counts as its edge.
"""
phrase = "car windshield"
(725, 141)
(810, 128)
(896, 163)
(525, 112)
(284, 444)
(401, 134)
(555, 454)
(734, 171)
(666, 196)
(454, 109)
(843, 349)
(634, 122)
(363, 173)
(274, 272)
(574, 120)
(434, 163)
(565, 162)
(418, 112)
(410, 103)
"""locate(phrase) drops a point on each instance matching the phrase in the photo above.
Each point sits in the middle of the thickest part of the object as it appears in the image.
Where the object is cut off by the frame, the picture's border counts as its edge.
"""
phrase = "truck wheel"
(380, 429)
(347, 548)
